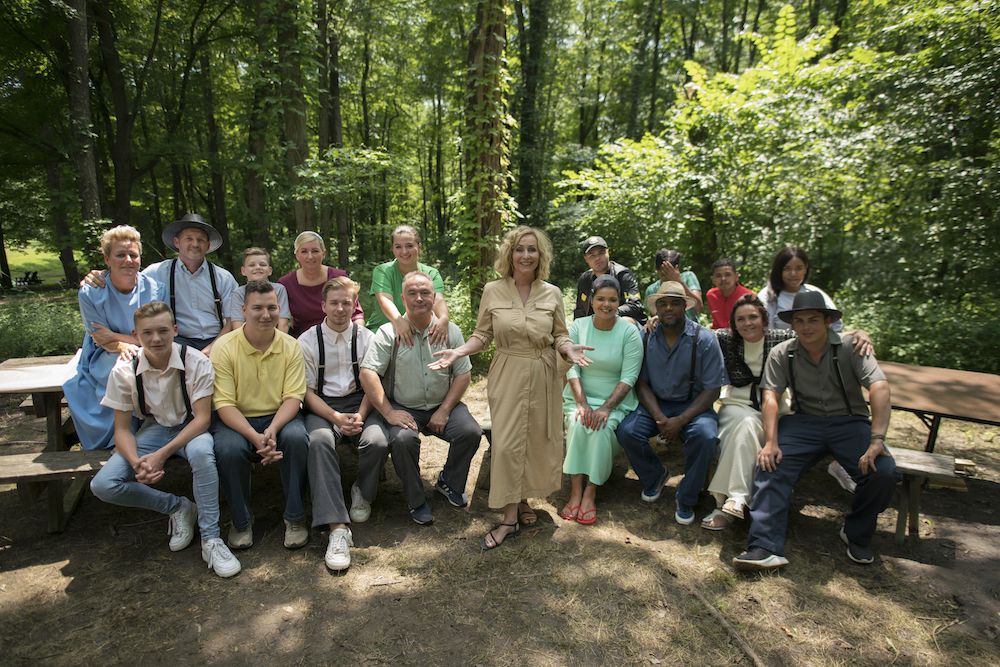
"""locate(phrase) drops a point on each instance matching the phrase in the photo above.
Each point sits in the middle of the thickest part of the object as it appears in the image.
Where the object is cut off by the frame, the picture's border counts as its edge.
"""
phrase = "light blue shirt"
(196, 314)
(668, 371)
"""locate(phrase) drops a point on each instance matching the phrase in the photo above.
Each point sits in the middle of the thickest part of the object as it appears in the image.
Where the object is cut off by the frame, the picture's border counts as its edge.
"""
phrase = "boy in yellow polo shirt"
(260, 383)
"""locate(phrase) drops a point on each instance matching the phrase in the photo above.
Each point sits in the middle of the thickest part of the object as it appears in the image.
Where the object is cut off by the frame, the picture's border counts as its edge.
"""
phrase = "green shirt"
(416, 386)
(387, 278)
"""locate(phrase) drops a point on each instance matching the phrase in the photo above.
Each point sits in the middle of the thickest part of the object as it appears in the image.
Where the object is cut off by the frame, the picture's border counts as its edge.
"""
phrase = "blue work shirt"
(196, 315)
(667, 371)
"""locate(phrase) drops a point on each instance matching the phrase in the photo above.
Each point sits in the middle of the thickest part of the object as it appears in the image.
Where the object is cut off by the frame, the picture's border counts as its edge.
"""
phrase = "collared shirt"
(817, 389)
(233, 307)
(164, 400)
(195, 314)
(416, 386)
(255, 382)
(338, 376)
(386, 278)
(668, 371)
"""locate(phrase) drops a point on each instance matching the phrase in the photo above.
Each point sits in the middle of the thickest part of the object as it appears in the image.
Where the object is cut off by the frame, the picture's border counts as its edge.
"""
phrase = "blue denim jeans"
(700, 438)
(235, 456)
(116, 483)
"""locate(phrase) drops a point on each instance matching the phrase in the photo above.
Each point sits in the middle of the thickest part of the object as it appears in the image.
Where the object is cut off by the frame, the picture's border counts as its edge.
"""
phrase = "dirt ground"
(635, 589)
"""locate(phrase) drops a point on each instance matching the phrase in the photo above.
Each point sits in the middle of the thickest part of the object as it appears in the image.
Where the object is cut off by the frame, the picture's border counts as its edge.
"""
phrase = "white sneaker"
(338, 553)
(361, 509)
(181, 526)
(296, 534)
(240, 539)
(220, 558)
(838, 473)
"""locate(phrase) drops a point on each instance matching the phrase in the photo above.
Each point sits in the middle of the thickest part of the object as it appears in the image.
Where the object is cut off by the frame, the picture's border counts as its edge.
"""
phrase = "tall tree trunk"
(838, 20)
(486, 142)
(219, 214)
(253, 171)
(293, 106)
(6, 280)
(724, 47)
(121, 141)
(57, 211)
(79, 109)
(654, 66)
(533, 38)
(337, 140)
(322, 19)
(752, 58)
(632, 127)
(739, 42)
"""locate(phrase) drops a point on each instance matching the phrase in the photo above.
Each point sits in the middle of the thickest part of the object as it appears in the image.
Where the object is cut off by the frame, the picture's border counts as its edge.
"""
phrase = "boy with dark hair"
(727, 290)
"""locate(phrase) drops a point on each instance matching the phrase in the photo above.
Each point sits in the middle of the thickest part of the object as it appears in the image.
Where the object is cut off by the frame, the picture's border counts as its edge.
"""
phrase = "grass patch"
(40, 324)
(35, 258)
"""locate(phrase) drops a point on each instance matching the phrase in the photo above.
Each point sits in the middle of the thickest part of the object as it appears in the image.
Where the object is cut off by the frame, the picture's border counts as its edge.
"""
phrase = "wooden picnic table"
(42, 378)
(933, 394)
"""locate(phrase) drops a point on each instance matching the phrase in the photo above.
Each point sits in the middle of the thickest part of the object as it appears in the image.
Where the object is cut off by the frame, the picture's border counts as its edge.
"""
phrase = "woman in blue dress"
(107, 320)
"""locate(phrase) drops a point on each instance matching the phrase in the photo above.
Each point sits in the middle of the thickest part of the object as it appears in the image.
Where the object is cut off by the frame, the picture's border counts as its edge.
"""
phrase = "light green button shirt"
(416, 386)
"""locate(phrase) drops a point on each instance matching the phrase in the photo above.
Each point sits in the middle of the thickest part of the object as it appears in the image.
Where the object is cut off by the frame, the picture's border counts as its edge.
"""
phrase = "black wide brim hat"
(191, 220)
(808, 301)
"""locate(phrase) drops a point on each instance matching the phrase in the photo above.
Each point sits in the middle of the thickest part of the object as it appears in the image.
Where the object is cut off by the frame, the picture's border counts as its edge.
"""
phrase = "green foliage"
(35, 325)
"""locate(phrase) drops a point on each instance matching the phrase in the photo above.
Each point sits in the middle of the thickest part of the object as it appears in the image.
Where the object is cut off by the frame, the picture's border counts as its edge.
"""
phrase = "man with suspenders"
(682, 374)
(169, 387)
(336, 408)
(825, 374)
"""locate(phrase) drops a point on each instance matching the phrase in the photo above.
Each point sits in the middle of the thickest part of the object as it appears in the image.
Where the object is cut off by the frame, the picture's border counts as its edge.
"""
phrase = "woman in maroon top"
(305, 284)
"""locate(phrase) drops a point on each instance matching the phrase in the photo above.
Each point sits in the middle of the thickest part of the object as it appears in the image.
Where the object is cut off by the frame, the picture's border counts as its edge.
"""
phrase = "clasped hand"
(267, 447)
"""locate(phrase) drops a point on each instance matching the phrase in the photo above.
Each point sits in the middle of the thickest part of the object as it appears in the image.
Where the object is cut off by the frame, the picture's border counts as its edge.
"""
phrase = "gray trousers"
(327, 492)
(462, 433)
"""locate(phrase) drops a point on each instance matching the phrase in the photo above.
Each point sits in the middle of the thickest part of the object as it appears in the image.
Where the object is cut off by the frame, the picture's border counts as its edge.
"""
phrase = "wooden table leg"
(932, 436)
(902, 513)
(55, 442)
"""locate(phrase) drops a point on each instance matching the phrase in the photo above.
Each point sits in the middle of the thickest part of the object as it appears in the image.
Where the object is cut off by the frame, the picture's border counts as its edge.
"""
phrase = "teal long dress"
(616, 357)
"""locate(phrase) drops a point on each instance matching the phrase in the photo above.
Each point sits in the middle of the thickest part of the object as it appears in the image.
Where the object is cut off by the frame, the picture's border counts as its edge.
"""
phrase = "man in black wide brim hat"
(825, 375)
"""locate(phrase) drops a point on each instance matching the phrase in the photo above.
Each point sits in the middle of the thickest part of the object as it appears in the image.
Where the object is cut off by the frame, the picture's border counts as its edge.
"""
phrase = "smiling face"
(418, 297)
(811, 327)
(526, 256)
(338, 306)
(123, 260)
(256, 267)
(260, 310)
(156, 334)
(670, 310)
(310, 255)
(597, 259)
(192, 245)
(725, 279)
(406, 250)
(605, 304)
(749, 323)
(793, 274)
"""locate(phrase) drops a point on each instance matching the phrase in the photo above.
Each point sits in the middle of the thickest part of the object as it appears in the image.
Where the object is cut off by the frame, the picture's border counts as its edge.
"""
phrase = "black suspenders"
(837, 371)
(141, 390)
(694, 360)
(211, 279)
(321, 366)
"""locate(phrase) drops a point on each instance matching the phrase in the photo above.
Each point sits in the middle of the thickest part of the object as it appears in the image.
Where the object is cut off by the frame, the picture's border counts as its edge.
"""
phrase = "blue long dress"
(95, 424)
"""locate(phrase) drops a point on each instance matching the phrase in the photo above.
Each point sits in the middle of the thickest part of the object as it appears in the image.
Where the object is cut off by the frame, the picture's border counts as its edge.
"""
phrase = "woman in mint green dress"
(598, 397)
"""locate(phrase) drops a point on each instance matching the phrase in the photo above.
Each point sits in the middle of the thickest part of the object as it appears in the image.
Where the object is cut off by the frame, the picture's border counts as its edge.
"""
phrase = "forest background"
(865, 131)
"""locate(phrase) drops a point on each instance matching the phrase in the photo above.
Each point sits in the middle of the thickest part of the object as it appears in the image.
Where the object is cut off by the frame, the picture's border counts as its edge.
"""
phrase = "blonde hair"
(119, 233)
(341, 282)
(308, 237)
(504, 263)
(151, 309)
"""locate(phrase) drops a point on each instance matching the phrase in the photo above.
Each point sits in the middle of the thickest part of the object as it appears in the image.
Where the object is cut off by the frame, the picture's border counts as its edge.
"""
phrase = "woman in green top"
(598, 397)
(387, 288)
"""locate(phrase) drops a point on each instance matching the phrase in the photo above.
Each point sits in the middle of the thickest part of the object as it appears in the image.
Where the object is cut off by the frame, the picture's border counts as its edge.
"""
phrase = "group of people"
(178, 359)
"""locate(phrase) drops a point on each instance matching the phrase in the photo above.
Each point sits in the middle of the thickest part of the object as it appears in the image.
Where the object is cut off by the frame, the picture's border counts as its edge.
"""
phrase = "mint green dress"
(616, 357)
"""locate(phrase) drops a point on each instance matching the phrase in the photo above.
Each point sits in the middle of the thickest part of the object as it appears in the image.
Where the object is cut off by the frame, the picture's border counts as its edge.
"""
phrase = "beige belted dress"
(524, 389)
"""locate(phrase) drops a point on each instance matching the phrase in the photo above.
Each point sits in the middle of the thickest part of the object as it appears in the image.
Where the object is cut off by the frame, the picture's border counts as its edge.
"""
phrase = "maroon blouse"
(306, 301)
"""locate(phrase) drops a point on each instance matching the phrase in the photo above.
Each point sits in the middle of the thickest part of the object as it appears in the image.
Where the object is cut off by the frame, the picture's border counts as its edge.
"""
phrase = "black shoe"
(758, 558)
(422, 515)
(454, 497)
(856, 552)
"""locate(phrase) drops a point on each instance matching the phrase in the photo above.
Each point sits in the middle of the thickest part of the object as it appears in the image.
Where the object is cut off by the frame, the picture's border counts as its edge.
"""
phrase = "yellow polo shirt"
(255, 382)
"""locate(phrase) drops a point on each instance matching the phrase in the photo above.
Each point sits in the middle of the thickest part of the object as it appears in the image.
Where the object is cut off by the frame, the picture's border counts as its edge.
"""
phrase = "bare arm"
(375, 394)
(770, 456)
(880, 398)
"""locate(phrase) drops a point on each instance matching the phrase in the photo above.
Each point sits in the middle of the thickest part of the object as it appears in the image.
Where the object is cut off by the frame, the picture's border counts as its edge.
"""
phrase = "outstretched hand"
(575, 354)
(445, 358)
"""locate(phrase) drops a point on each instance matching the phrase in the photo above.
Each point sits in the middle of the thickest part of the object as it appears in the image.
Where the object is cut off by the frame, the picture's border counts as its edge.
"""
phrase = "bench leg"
(914, 506)
(902, 513)
(57, 509)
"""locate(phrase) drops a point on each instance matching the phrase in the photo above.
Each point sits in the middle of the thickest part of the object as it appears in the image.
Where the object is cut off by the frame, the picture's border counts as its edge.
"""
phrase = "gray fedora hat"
(188, 221)
(809, 301)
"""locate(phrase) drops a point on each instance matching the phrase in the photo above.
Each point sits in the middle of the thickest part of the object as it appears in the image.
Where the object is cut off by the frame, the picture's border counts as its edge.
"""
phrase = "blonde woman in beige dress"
(525, 316)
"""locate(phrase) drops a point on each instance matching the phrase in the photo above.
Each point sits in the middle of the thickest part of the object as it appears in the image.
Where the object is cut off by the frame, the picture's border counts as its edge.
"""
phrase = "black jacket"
(631, 303)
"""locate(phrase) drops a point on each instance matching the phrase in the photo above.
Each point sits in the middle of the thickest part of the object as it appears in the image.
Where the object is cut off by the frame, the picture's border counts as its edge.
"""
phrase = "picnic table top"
(965, 395)
(36, 374)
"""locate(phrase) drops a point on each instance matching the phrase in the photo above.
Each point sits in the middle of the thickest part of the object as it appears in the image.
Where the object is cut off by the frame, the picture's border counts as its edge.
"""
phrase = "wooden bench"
(64, 475)
(918, 467)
